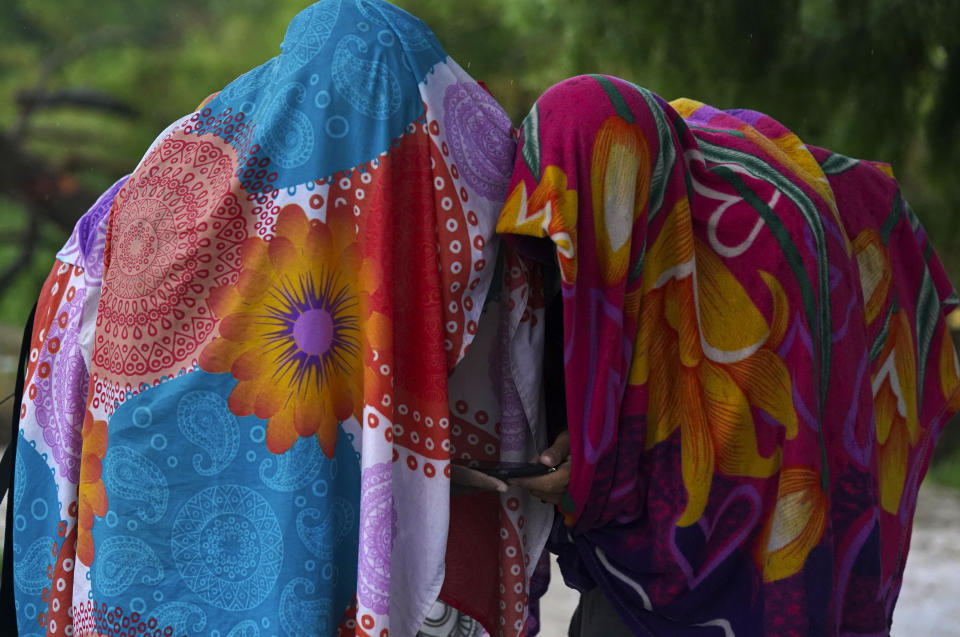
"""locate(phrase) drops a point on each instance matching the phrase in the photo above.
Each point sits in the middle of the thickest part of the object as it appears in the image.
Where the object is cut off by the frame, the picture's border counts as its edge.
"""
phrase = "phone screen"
(505, 470)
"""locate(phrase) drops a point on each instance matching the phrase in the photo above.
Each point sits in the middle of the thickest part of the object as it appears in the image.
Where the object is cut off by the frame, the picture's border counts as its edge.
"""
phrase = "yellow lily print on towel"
(713, 352)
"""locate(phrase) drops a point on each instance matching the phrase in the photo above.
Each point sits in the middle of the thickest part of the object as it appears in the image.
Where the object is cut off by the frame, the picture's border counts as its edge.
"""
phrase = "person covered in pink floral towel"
(757, 366)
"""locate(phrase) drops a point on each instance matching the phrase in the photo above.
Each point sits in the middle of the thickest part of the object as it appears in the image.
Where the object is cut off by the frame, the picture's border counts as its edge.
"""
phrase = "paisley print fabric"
(237, 418)
(757, 363)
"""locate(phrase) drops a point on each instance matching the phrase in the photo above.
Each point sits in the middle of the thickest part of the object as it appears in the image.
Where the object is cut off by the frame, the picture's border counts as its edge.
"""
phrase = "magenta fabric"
(757, 362)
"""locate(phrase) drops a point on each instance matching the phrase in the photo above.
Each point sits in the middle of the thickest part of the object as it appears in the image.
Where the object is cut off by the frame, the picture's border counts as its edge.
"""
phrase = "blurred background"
(85, 87)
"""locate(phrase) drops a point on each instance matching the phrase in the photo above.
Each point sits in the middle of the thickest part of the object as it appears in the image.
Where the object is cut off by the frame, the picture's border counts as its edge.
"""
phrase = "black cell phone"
(505, 470)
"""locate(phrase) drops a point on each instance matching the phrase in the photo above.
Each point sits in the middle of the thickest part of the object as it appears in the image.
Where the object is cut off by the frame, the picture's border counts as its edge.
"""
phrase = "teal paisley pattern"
(298, 110)
(135, 478)
(219, 550)
(184, 618)
(294, 469)
(307, 34)
(30, 576)
(322, 532)
(36, 509)
(412, 32)
(304, 616)
(355, 76)
(246, 628)
(287, 135)
(122, 560)
(205, 420)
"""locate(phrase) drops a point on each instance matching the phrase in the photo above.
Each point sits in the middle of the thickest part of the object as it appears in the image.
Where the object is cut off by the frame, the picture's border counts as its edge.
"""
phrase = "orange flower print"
(876, 274)
(895, 405)
(713, 352)
(291, 330)
(620, 153)
(795, 526)
(894, 378)
(551, 211)
(949, 369)
(714, 358)
(92, 496)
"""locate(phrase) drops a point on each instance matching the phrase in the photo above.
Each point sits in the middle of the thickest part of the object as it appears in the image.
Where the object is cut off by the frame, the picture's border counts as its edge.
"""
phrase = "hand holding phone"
(551, 487)
(464, 481)
(505, 470)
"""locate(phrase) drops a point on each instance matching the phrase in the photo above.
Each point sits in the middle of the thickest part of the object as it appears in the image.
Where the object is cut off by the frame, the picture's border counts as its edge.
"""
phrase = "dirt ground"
(931, 585)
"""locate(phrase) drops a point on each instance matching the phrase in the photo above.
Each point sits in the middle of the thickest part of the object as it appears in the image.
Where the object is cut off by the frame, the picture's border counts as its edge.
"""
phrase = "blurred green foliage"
(869, 78)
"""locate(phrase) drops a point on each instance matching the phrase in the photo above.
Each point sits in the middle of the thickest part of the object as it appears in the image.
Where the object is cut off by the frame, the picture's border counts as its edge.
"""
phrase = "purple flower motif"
(62, 394)
(378, 527)
(86, 244)
(476, 129)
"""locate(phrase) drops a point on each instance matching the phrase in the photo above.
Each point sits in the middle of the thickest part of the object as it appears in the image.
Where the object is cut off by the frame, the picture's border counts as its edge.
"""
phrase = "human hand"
(550, 487)
(465, 480)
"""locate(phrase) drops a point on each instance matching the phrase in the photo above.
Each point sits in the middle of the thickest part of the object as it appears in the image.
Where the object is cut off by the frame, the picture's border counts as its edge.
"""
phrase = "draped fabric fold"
(757, 365)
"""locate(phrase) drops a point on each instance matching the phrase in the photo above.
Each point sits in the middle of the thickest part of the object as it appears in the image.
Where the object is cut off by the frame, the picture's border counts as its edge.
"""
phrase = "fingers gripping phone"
(505, 470)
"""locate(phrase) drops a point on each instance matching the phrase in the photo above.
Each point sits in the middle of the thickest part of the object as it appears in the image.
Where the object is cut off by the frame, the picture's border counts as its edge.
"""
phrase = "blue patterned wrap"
(286, 117)
(218, 531)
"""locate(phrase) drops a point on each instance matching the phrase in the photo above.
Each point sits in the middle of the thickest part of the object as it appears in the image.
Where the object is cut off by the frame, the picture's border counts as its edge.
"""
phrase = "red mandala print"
(424, 263)
(51, 296)
(512, 576)
(524, 282)
(175, 233)
(348, 623)
(468, 440)
(145, 246)
(92, 618)
(59, 595)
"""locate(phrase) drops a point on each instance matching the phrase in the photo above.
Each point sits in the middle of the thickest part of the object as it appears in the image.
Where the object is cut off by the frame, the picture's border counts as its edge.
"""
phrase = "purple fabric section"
(746, 115)
(476, 125)
(62, 395)
(378, 527)
(513, 419)
(85, 246)
(539, 583)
